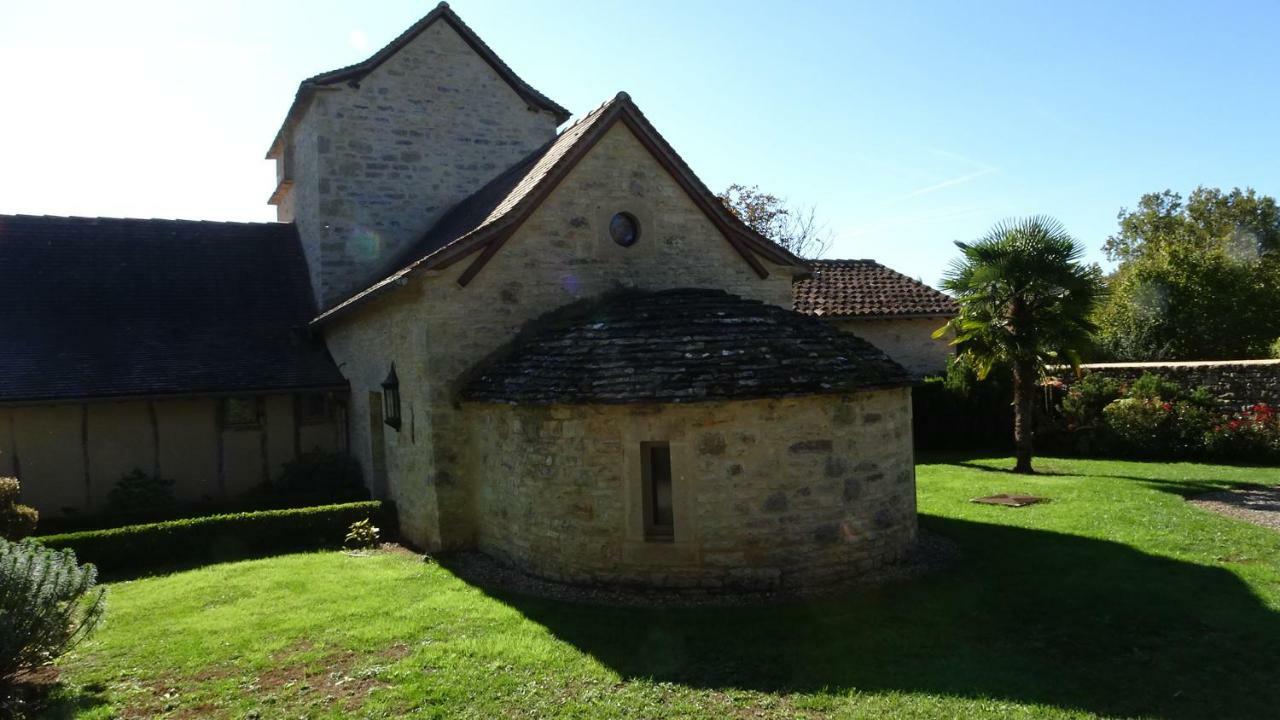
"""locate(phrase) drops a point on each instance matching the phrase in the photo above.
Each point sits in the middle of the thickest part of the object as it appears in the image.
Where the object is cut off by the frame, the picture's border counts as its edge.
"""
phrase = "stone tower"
(370, 156)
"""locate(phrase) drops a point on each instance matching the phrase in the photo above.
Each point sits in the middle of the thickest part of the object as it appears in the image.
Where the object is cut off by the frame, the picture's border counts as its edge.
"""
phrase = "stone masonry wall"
(436, 330)
(376, 165)
(909, 341)
(767, 493)
(1236, 384)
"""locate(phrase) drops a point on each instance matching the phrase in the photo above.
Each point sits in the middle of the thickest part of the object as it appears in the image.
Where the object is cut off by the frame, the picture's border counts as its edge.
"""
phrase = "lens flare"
(366, 244)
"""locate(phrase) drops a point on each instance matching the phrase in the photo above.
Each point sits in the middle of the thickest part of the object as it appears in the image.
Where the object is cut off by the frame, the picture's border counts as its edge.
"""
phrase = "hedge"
(135, 549)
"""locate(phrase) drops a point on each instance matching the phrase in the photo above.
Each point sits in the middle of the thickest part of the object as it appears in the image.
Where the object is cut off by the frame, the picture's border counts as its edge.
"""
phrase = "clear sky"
(908, 124)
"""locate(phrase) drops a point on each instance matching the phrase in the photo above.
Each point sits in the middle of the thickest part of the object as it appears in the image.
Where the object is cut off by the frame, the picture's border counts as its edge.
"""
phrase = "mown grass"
(1117, 598)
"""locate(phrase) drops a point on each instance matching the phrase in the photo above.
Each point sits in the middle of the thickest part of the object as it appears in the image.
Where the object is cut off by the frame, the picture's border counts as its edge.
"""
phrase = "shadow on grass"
(1183, 488)
(1028, 616)
(61, 703)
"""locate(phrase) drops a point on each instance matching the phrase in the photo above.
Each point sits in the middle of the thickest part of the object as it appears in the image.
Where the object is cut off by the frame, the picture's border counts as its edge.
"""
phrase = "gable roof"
(353, 74)
(482, 222)
(97, 308)
(687, 345)
(865, 288)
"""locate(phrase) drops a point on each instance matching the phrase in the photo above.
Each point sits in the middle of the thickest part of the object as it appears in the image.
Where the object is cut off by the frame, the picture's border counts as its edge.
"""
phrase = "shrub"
(1250, 435)
(959, 412)
(362, 534)
(48, 603)
(332, 476)
(1158, 419)
(1153, 387)
(139, 548)
(1083, 403)
(16, 521)
(141, 496)
(1275, 348)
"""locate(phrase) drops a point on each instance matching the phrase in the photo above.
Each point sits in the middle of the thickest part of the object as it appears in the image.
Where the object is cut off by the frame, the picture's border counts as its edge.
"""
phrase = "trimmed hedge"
(135, 549)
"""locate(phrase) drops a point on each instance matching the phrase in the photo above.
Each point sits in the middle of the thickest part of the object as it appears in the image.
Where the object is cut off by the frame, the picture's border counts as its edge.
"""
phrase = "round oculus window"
(624, 229)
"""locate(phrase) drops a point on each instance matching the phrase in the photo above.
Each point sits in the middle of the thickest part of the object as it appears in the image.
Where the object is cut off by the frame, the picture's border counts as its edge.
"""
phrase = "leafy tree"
(1197, 280)
(1026, 299)
(796, 229)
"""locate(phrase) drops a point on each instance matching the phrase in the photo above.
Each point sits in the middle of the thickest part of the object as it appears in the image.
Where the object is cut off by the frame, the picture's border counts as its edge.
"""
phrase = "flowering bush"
(1253, 434)
(1154, 427)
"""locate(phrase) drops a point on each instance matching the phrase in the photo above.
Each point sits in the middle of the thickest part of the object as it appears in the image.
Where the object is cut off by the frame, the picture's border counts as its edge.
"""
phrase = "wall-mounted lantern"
(391, 399)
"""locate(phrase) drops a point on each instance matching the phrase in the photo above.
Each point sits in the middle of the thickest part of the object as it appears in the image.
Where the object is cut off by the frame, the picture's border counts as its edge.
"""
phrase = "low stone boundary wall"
(1235, 383)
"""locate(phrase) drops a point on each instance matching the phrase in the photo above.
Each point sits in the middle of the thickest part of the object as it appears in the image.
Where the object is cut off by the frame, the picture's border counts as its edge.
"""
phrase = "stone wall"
(1235, 384)
(767, 493)
(436, 331)
(374, 166)
(69, 456)
(909, 341)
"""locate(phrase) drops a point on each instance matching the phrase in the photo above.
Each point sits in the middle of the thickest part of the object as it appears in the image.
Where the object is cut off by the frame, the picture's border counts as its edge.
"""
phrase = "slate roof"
(98, 307)
(679, 346)
(354, 73)
(490, 214)
(865, 288)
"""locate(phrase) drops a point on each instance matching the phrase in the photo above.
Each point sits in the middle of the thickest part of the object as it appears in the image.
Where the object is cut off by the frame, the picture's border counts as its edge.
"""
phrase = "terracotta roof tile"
(865, 288)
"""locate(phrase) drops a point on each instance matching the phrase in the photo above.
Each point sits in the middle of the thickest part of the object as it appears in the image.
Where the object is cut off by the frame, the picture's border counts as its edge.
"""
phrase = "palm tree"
(1025, 299)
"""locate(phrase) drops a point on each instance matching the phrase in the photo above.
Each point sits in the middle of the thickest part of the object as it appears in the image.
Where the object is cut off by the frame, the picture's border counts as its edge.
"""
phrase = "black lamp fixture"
(391, 399)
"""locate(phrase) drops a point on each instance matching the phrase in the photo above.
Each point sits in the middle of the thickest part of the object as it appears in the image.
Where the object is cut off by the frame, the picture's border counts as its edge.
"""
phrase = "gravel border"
(1257, 505)
(930, 554)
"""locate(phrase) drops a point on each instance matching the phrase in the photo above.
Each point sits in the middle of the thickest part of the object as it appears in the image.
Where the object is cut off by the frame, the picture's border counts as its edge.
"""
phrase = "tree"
(1197, 280)
(794, 228)
(1026, 299)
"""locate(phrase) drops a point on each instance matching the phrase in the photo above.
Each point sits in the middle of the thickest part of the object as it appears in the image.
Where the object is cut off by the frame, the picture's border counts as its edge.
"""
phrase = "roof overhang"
(138, 397)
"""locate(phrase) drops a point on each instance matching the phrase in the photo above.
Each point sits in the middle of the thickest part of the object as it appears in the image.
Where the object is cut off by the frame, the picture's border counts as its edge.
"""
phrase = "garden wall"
(1235, 384)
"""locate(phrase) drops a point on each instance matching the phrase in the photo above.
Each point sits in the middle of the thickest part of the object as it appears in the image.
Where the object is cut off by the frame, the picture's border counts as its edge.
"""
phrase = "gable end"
(353, 74)
(510, 199)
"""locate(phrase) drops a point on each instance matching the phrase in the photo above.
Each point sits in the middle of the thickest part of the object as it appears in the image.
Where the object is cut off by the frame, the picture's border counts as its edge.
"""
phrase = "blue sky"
(907, 124)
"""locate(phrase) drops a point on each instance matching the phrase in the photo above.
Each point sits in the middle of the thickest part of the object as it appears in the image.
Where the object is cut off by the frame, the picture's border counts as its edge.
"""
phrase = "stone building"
(888, 309)
(177, 348)
(548, 341)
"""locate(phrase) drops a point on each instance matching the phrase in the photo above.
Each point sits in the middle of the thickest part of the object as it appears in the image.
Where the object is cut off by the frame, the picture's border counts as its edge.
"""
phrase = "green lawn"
(1115, 599)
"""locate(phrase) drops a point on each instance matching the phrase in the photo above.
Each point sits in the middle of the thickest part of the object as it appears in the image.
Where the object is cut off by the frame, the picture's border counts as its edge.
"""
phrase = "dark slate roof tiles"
(680, 346)
(96, 307)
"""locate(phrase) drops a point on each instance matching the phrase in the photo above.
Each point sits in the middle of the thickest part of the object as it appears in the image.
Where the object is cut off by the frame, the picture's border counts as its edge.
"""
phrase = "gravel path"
(931, 553)
(1260, 506)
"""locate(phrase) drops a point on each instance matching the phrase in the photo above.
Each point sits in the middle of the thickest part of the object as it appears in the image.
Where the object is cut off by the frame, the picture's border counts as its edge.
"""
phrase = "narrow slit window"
(659, 516)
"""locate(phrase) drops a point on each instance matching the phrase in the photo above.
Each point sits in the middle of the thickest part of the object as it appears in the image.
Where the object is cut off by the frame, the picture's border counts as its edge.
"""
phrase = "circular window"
(624, 229)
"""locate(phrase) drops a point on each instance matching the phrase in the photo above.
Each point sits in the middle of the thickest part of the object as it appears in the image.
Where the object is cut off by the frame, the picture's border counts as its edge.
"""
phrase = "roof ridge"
(356, 72)
(522, 195)
(98, 218)
(843, 261)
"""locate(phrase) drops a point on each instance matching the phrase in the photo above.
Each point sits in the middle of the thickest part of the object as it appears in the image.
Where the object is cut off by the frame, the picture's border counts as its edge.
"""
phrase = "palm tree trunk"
(1024, 393)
